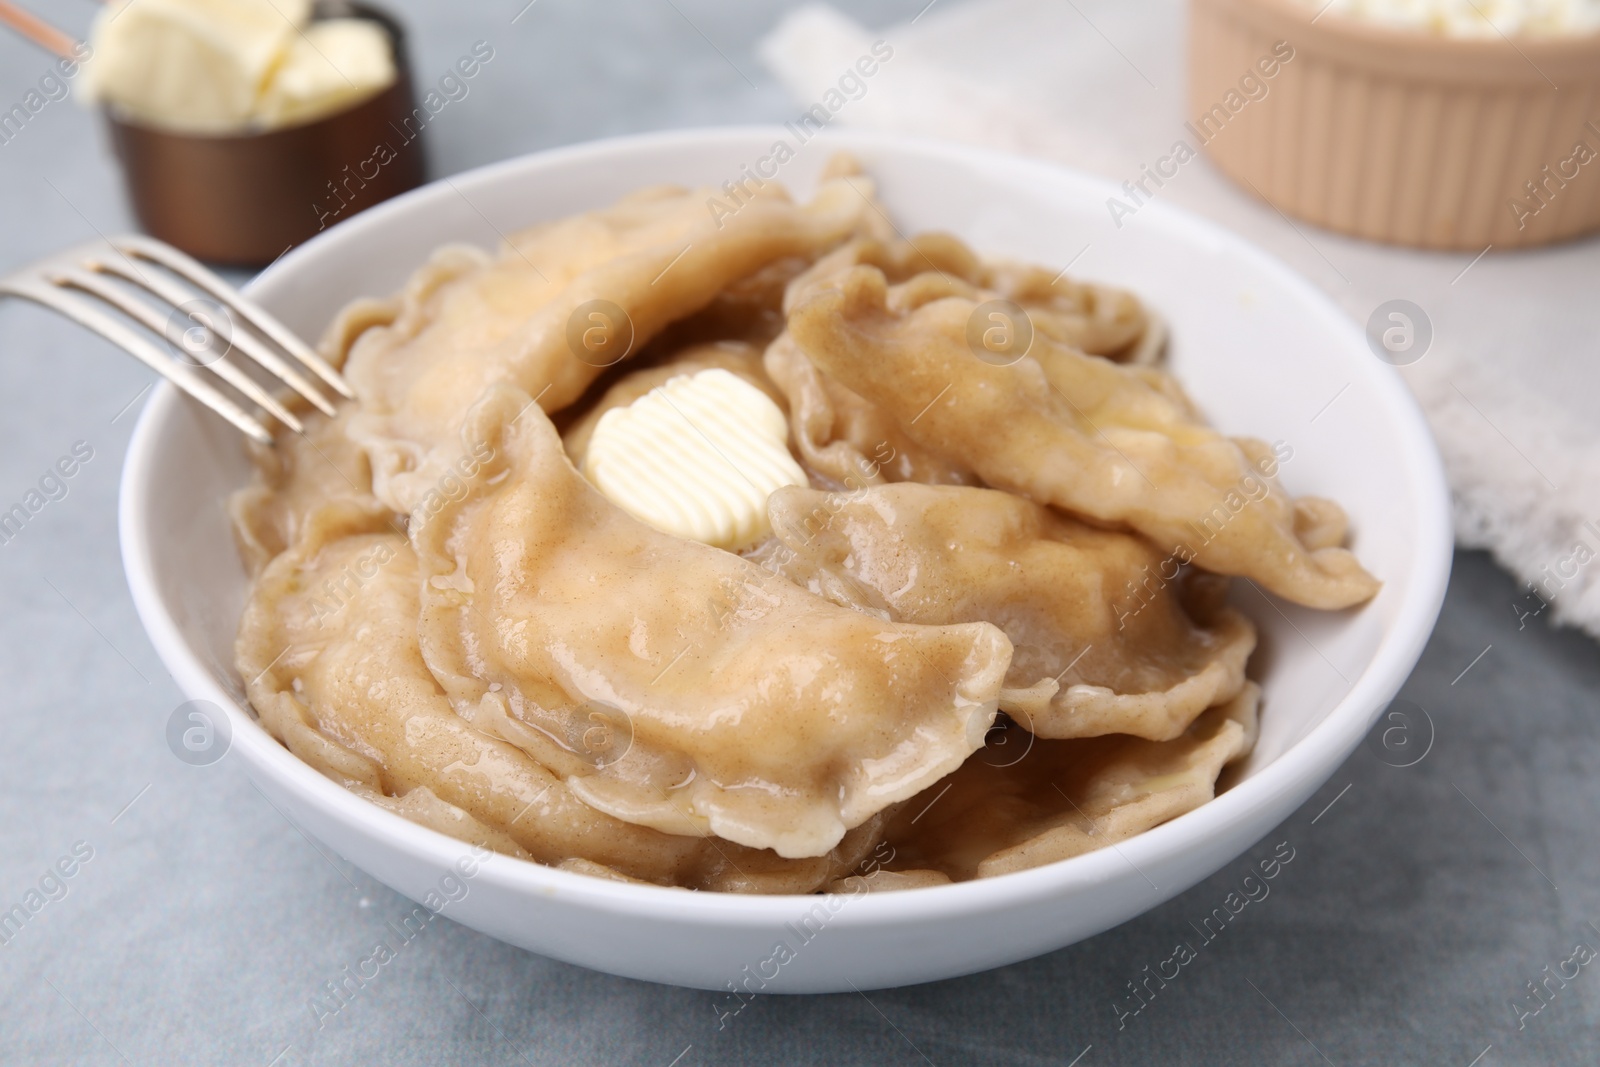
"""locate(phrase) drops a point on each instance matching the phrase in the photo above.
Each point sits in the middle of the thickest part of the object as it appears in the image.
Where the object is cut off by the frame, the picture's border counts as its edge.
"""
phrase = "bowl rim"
(1313, 757)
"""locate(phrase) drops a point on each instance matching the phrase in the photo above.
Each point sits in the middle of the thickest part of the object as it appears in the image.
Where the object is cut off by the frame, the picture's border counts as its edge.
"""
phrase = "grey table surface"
(1420, 903)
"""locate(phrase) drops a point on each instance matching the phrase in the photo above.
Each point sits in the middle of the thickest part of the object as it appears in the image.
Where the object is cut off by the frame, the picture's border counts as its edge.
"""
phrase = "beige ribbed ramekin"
(1395, 136)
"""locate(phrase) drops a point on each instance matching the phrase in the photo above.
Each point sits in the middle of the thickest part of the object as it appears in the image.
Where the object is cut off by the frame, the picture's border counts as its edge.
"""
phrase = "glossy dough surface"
(1090, 655)
(1117, 444)
(467, 321)
(1023, 803)
(995, 633)
(329, 643)
(754, 711)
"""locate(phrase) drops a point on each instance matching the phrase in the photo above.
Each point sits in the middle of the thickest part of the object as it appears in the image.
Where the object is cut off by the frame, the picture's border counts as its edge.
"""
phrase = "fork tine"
(85, 314)
(96, 284)
(192, 271)
(243, 340)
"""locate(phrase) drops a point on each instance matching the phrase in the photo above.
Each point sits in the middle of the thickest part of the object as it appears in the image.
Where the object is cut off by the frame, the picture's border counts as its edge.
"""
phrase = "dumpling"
(1098, 319)
(1072, 431)
(328, 648)
(1024, 802)
(299, 475)
(1103, 639)
(845, 439)
(468, 322)
(849, 440)
(754, 710)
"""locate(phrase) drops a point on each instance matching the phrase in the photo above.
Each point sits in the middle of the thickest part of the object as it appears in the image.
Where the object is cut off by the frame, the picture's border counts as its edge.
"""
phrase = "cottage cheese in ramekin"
(1474, 18)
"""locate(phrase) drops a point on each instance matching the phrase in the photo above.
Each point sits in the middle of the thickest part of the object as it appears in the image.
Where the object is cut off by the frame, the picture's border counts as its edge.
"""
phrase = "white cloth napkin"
(1510, 381)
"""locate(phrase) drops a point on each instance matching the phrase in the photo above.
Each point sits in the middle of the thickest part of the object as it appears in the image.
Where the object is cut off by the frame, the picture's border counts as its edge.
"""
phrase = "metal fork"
(78, 282)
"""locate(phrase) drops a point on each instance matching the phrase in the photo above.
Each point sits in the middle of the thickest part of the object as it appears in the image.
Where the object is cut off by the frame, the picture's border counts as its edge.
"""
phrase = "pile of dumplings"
(991, 633)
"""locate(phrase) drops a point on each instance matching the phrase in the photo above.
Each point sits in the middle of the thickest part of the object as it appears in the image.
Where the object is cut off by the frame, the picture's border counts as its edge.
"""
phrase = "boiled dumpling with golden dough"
(850, 441)
(296, 477)
(1097, 319)
(558, 306)
(754, 710)
(1069, 430)
(846, 440)
(328, 646)
(1103, 640)
(1024, 802)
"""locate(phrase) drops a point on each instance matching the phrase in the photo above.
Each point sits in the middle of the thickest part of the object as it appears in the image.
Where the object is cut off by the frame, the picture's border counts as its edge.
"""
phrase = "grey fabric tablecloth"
(1420, 903)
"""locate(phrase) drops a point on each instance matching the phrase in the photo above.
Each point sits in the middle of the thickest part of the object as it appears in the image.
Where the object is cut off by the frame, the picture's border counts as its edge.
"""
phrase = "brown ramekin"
(1404, 137)
(244, 200)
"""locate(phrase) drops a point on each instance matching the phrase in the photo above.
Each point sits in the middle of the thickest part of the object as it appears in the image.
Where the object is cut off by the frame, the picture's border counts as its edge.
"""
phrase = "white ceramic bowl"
(1261, 351)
